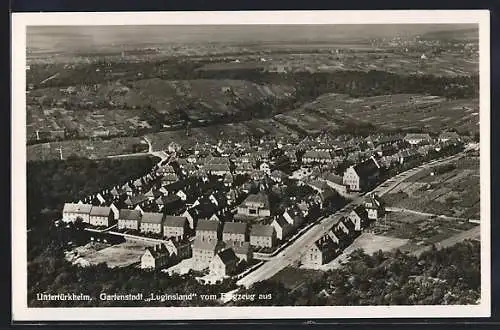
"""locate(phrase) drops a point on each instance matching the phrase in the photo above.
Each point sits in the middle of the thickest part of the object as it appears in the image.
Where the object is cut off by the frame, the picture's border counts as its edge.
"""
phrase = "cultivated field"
(398, 111)
(453, 191)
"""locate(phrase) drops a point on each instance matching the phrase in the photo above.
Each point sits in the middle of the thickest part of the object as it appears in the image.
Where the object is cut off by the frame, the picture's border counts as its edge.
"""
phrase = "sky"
(70, 37)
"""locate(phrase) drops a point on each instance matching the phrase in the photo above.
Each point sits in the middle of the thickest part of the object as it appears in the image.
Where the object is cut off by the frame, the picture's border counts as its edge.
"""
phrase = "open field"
(369, 243)
(119, 255)
(454, 192)
(398, 111)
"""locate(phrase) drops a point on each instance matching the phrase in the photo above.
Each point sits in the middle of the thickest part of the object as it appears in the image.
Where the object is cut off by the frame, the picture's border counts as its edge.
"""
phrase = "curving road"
(296, 250)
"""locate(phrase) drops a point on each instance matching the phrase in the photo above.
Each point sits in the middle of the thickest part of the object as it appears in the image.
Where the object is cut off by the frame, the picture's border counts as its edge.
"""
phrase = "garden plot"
(119, 255)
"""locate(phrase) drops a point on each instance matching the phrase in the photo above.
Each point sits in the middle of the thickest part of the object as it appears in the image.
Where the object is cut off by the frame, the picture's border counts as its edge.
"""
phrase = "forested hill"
(51, 183)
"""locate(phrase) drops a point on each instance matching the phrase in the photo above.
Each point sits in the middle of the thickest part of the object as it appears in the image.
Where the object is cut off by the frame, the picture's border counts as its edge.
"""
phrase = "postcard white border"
(20, 311)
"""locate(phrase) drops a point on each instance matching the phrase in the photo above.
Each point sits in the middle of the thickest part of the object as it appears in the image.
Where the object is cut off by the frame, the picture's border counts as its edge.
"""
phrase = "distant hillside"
(461, 34)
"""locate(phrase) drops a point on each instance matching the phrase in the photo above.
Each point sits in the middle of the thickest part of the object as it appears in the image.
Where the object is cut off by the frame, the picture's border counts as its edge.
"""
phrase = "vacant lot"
(453, 191)
(120, 255)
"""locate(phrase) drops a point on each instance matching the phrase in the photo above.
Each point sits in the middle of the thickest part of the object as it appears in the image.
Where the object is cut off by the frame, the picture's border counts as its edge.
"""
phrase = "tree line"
(450, 276)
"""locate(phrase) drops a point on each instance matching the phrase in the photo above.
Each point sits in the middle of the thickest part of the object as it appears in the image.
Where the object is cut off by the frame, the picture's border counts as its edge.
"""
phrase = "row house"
(175, 227)
(217, 169)
(417, 138)
(244, 168)
(74, 211)
(101, 216)
(129, 219)
(152, 222)
(263, 236)
(316, 156)
(236, 232)
(207, 230)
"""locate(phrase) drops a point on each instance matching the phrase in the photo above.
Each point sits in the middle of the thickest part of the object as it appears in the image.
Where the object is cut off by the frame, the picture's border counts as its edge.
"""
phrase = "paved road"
(296, 250)
(160, 154)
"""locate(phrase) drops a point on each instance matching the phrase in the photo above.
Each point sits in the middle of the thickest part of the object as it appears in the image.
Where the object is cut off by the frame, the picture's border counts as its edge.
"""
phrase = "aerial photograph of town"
(253, 165)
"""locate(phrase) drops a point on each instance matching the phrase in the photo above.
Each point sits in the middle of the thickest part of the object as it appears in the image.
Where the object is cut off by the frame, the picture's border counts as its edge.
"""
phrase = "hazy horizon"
(70, 38)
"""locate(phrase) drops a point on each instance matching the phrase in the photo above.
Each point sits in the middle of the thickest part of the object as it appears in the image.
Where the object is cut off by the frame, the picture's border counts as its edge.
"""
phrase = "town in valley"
(336, 166)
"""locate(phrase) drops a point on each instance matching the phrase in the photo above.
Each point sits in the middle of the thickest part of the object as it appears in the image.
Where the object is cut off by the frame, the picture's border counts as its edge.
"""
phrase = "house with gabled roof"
(133, 201)
(417, 138)
(374, 206)
(152, 222)
(203, 252)
(361, 176)
(321, 252)
(208, 230)
(129, 219)
(256, 205)
(101, 216)
(175, 227)
(223, 263)
(127, 189)
(282, 227)
(153, 194)
(72, 212)
(293, 216)
(243, 251)
(359, 218)
(235, 232)
(155, 257)
(263, 235)
(334, 181)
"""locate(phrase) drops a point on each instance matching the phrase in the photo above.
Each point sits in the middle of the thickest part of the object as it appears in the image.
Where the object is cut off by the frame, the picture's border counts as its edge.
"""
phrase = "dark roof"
(262, 230)
(257, 198)
(361, 212)
(281, 221)
(366, 168)
(152, 217)
(227, 255)
(417, 136)
(174, 221)
(332, 178)
(325, 243)
(216, 167)
(216, 161)
(76, 208)
(101, 211)
(130, 215)
(204, 245)
(240, 248)
(137, 199)
(235, 227)
(158, 250)
(209, 225)
(317, 154)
